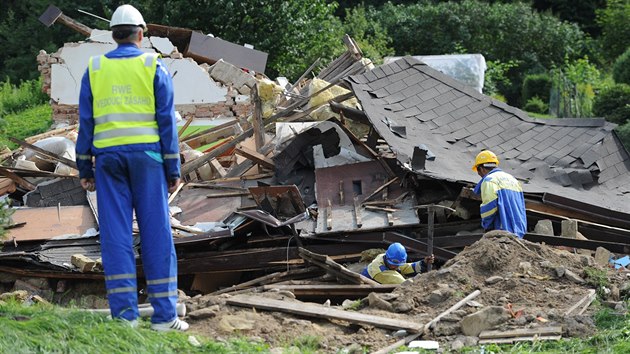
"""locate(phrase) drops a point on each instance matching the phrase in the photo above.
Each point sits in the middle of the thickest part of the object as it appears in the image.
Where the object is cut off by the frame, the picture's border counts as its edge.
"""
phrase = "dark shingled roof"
(410, 103)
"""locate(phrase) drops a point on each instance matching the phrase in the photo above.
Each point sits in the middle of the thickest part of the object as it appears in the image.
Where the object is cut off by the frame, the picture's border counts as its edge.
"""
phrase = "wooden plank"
(328, 211)
(200, 161)
(48, 134)
(584, 301)
(208, 131)
(455, 307)
(183, 129)
(336, 290)
(379, 189)
(341, 199)
(357, 213)
(217, 167)
(18, 180)
(375, 208)
(330, 265)
(320, 311)
(521, 332)
(518, 339)
(255, 156)
(48, 154)
(270, 278)
(227, 194)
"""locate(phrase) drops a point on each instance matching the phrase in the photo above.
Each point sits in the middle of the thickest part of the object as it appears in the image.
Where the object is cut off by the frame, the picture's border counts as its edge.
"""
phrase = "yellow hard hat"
(483, 157)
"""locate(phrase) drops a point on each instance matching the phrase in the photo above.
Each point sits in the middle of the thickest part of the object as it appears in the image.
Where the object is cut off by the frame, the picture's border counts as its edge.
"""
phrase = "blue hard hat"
(396, 254)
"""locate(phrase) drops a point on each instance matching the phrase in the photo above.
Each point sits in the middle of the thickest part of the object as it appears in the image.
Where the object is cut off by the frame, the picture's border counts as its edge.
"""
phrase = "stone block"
(544, 227)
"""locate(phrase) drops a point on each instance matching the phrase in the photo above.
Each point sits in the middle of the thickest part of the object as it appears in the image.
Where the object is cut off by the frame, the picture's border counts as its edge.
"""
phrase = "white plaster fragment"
(162, 45)
(192, 84)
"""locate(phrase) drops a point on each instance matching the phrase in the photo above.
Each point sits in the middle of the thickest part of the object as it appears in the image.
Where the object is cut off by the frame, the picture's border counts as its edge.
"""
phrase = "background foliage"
(568, 40)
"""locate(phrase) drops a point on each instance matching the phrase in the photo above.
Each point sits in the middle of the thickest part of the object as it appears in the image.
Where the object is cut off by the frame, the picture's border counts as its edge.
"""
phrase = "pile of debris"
(499, 290)
(285, 182)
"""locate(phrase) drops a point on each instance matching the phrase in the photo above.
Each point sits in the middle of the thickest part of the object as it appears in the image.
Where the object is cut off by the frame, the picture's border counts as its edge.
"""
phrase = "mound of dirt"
(534, 284)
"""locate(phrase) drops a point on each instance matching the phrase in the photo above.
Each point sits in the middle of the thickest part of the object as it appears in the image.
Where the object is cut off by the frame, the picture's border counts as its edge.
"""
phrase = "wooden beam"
(200, 161)
(256, 157)
(55, 132)
(335, 268)
(331, 290)
(584, 301)
(18, 180)
(385, 185)
(320, 311)
(521, 332)
(208, 131)
(183, 129)
(217, 167)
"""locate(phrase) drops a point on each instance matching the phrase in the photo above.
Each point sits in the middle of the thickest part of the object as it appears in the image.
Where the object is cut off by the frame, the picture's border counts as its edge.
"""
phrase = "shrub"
(623, 132)
(16, 98)
(621, 68)
(613, 103)
(537, 85)
(26, 123)
(536, 105)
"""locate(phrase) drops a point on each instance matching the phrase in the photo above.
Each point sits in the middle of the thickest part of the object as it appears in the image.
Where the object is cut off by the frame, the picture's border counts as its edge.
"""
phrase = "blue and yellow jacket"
(378, 271)
(502, 203)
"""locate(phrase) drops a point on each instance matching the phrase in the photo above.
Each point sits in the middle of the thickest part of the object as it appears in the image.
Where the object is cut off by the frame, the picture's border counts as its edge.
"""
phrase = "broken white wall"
(191, 83)
(196, 93)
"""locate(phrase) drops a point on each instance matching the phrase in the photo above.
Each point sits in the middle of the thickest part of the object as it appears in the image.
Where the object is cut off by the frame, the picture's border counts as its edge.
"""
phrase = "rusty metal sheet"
(47, 223)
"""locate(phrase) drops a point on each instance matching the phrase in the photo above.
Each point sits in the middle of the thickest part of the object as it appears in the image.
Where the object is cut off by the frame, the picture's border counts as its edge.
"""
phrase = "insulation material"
(269, 92)
(321, 99)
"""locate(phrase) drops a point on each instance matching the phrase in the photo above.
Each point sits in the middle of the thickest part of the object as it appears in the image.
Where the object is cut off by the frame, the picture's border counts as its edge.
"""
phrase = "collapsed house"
(284, 182)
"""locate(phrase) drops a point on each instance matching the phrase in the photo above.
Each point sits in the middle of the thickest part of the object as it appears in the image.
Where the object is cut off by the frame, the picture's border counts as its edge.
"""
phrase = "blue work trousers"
(127, 181)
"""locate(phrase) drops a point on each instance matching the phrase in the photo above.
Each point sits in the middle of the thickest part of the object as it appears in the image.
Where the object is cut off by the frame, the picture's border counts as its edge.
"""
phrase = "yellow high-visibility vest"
(123, 100)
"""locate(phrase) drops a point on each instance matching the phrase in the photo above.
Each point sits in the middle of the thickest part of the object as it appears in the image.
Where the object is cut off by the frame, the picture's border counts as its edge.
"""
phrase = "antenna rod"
(93, 15)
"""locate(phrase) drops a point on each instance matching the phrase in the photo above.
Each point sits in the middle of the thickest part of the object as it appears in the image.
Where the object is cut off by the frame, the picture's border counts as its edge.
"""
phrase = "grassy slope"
(45, 329)
(29, 122)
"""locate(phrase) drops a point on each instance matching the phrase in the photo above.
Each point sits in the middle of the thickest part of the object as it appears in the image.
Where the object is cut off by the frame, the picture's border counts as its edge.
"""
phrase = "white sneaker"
(132, 323)
(174, 325)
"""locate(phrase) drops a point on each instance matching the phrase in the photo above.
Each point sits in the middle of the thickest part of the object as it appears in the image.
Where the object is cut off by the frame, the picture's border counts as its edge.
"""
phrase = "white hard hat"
(127, 15)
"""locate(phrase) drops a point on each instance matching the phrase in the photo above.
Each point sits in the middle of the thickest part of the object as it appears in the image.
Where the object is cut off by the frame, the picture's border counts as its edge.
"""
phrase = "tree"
(23, 36)
(499, 31)
(294, 33)
(615, 22)
(582, 12)
(370, 35)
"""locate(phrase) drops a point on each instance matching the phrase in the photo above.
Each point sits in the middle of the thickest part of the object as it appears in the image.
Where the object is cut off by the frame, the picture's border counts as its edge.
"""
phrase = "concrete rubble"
(272, 169)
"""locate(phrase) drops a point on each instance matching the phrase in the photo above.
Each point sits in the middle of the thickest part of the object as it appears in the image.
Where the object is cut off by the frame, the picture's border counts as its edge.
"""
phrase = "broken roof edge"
(567, 122)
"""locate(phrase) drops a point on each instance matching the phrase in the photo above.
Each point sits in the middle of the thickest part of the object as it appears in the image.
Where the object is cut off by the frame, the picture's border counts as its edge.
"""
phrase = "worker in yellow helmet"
(502, 200)
(127, 123)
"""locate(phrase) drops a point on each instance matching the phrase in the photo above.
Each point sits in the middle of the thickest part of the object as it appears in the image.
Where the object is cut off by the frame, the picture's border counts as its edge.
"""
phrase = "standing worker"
(502, 200)
(391, 267)
(127, 122)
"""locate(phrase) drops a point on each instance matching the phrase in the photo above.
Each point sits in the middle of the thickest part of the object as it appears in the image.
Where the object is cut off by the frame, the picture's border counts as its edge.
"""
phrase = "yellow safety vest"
(123, 100)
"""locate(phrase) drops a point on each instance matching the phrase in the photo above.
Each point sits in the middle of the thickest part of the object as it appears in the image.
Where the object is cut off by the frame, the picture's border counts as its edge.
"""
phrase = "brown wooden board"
(320, 311)
(49, 222)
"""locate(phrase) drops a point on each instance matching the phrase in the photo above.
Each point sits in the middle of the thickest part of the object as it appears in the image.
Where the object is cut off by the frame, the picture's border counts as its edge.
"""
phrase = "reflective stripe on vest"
(123, 100)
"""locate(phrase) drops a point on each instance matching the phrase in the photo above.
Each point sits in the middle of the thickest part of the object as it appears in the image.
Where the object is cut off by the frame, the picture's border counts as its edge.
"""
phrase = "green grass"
(29, 122)
(48, 329)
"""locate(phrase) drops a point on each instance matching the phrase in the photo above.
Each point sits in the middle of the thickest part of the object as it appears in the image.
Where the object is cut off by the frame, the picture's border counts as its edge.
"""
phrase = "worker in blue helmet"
(391, 267)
